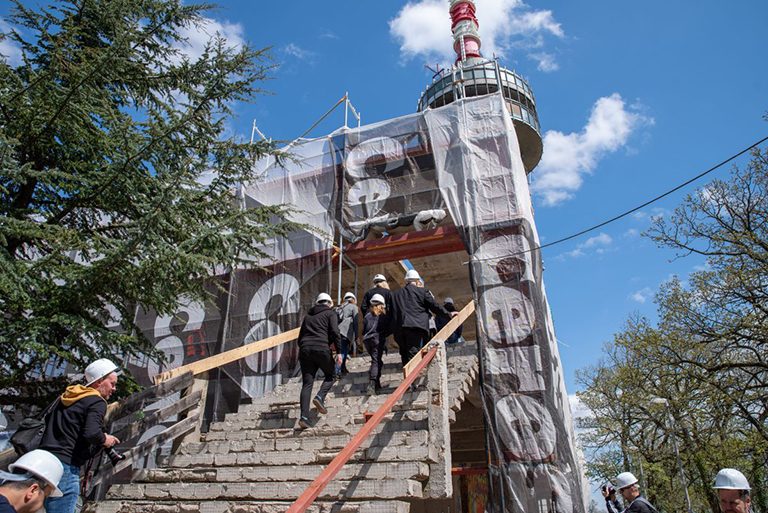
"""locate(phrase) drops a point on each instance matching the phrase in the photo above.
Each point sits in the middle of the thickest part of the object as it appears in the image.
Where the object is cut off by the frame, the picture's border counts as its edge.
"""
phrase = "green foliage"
(117, 177)
(706, 357)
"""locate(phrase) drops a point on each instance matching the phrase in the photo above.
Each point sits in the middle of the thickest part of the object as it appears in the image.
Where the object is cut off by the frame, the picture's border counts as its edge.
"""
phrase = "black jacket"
(385, 293)
(411, 306)
(75, 428)
(320, 328)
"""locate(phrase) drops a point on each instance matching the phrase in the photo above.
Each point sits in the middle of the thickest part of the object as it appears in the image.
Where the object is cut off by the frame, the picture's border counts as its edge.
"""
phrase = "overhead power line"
(657, 198)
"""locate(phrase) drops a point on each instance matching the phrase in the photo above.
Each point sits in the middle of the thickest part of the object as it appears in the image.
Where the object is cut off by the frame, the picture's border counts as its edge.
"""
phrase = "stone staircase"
(256, 461)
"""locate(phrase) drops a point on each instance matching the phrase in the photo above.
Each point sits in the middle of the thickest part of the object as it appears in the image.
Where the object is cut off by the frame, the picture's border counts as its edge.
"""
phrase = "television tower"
(472, 75)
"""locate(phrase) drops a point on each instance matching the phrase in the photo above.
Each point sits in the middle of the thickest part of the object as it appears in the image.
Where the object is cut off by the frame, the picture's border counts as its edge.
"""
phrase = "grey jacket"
(348, 321)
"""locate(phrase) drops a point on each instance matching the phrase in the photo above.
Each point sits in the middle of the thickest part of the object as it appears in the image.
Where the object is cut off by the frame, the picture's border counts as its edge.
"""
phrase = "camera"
(114, 456)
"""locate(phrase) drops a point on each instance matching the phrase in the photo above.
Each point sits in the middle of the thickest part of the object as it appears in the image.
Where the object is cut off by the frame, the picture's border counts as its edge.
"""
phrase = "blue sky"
(633, 98)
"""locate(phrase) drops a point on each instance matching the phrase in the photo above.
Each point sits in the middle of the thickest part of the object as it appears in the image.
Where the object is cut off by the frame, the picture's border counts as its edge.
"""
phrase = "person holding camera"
(75, 430)
(612, 504)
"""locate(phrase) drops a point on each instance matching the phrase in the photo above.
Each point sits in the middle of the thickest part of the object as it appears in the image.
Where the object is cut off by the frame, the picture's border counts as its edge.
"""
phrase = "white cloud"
(568, 157)
(641, 296)
(8, 48)
(423, 29)
(579, 410)
(598, 244)
(197, 36)
(546, 62)
(300, 53)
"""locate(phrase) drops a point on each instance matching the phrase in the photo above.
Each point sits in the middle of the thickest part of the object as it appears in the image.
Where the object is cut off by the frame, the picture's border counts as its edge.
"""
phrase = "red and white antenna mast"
(466, 39)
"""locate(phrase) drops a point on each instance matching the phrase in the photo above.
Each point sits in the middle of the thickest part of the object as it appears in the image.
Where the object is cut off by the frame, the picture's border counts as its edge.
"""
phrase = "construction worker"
(626, 483)
(374, 338)
(318, 340)
(31, 479)
(75, 430)
(410, 315)
(349, 321)
(733, 491)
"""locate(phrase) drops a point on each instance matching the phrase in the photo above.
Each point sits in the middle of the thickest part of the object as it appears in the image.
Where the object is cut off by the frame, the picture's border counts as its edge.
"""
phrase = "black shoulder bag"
(29, 434)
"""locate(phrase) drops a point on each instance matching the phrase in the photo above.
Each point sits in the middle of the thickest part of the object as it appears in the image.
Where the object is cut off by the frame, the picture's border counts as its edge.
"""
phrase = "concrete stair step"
(305, 443)
(343, 506)
(395, 453)
(268, 491)
(277, 473)
(360, 403)
(241, 430)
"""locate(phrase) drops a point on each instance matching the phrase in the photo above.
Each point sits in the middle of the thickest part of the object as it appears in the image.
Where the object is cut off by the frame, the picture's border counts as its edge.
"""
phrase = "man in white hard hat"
(410, 315)
(75, 430)
(733, 491)
(626, 483)
(349, 322)
(318, 340)
(29, 481)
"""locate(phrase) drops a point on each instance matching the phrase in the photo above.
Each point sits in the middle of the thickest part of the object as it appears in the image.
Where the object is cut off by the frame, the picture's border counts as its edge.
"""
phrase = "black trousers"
(311, 360)
(410, 340)
(375, 348)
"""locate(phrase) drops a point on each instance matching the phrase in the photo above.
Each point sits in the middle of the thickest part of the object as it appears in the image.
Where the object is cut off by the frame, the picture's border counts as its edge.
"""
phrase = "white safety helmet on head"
(99, 369)
(448, 301)
(377, 299)
(323, 298)
(731, 479)
(625, 479)
(349, 295)
(412, 275)
(378, 278)
(43, 465)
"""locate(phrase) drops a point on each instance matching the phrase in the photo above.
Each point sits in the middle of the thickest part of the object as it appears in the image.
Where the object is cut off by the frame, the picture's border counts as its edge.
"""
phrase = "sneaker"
(320, 405)
(371, 390)
(304, 423)
(378, 385)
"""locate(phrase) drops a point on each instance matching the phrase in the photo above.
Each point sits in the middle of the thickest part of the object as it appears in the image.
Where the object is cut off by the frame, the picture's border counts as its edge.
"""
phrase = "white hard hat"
(625, 479)
(731, 479)
(41, 464)
(377, 298)
(412, 275)
(448, 301)
(323, 298)
(378, 278)
(349, 295)
(99, 369)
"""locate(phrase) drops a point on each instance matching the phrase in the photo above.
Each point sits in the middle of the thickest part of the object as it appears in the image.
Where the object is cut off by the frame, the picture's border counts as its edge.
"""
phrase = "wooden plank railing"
(230, 356)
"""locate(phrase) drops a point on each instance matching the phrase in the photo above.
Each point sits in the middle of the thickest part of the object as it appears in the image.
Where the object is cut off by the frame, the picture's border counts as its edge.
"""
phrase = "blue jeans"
(70, 487)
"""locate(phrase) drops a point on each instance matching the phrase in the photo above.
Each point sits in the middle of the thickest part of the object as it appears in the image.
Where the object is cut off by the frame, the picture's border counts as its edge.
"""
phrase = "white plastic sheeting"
(481, 177)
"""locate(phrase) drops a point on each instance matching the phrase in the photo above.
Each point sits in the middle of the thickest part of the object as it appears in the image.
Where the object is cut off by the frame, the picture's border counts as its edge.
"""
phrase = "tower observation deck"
(472, 75)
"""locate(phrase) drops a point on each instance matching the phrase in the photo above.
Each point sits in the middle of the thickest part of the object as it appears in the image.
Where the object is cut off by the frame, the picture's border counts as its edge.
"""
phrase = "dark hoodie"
(320, 328)
(75, 428)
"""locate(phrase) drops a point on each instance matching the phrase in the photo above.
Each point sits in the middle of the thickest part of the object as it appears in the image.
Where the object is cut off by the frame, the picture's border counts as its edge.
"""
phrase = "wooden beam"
(443, 239)
(230, 356)
(134, 429)
(440, 336)
(136, 401)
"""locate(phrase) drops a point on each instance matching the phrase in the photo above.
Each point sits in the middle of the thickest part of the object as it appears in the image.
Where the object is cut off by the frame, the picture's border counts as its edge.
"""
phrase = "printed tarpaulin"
(482, 179)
